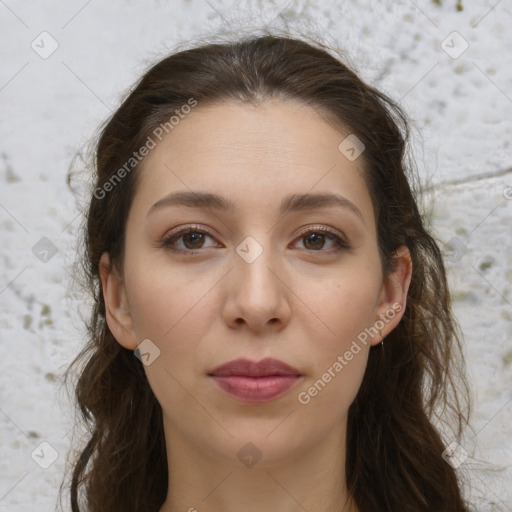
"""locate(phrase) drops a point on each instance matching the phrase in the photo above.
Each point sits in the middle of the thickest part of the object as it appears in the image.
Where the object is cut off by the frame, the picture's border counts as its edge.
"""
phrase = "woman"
(272, 326)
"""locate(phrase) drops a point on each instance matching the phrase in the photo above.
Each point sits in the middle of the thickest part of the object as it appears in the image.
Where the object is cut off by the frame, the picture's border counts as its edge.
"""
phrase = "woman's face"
(298, 281)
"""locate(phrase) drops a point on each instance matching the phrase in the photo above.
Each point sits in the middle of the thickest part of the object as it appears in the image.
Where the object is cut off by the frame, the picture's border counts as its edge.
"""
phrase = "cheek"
(342, 342)
(174, 311)
(163, 302)
(339, 360)
(346, 305)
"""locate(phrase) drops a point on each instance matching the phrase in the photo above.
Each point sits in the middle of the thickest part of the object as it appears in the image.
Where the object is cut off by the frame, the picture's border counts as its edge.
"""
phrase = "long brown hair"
(411, 385)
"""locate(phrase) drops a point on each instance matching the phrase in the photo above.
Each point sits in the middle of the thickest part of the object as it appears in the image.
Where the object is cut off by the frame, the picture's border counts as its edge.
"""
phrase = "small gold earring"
(382, 336)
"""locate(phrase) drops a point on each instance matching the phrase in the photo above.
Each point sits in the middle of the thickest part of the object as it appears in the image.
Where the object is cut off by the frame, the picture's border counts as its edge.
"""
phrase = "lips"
(251, 381)
(264, 368)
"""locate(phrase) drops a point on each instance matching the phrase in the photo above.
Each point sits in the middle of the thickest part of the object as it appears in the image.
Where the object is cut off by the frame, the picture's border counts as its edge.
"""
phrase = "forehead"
(288, 130)
(254, 154)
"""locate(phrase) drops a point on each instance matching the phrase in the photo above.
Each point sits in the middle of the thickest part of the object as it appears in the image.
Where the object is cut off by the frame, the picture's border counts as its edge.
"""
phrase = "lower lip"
(256, 389)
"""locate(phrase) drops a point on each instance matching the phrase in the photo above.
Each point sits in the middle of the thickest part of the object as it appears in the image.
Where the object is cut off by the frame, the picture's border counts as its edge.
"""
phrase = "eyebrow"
(293, 202)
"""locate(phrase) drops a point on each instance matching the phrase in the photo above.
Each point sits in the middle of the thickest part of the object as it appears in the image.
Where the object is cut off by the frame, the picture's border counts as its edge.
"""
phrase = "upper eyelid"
(322, 228)
(194, 227)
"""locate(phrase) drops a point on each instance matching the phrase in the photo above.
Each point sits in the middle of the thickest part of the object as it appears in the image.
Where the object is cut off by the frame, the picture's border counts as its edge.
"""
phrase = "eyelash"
(176, 235)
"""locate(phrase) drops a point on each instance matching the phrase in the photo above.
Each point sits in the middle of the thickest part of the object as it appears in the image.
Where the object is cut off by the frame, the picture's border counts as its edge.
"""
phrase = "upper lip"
(264, 368)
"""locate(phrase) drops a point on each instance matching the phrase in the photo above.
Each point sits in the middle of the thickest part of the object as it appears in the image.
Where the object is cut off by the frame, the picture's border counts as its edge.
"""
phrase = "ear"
(117, 313)
(393, 296)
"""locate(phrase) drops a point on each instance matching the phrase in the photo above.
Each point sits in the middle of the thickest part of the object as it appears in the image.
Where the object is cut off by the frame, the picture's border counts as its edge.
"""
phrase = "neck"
(312, 479)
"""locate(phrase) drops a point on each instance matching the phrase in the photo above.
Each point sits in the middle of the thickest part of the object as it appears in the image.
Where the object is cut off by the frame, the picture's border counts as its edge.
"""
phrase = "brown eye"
(191, 238)
(194, 238)
(315, 240)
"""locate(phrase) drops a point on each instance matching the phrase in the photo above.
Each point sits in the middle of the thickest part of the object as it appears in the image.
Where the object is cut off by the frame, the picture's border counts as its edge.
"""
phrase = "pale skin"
(300, 301)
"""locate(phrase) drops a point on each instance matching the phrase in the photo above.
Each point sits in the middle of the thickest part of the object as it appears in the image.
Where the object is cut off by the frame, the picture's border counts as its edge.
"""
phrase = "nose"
(258, 294)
